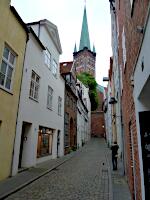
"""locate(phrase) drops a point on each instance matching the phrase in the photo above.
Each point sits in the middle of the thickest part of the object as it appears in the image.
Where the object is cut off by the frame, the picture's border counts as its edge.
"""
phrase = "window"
(7, 68)
(131, 2)
(124, 47)
(49, 98)
(67, 100)
(132, 7)
(34, 86)
(45, 141)
(59, 105)
(48, 59)
(66, 129)
(54, 68)
(68, 78)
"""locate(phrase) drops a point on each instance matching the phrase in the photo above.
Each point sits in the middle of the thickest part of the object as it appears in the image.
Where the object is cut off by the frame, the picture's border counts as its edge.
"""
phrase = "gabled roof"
(52, 30)
(13, 10)
(84, 39)
(36, 37)
(65, 67)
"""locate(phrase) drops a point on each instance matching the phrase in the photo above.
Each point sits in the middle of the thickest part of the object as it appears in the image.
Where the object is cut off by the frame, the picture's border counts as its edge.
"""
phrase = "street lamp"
(113, 100)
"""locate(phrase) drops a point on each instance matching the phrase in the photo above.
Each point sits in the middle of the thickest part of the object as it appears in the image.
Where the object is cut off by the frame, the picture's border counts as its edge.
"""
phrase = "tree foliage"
(89, 81)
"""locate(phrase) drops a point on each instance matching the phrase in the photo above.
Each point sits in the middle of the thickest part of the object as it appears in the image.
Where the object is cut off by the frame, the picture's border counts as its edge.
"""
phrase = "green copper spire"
(84, 39)
(75, 48)
(94, 51)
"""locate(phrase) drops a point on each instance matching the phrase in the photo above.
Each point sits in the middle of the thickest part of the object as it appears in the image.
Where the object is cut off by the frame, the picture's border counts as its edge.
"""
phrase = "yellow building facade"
(13, 37)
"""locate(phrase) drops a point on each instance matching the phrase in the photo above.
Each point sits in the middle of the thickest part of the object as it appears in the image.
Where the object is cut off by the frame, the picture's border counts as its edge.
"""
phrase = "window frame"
(50, 97)
(9, 65)
(66, 129)
(59, 106)
(47, 58)
(54, 68)
(35, 85)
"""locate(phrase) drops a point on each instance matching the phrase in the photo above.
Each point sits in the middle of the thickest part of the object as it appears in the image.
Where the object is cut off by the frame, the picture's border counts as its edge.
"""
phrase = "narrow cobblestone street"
(85, 176)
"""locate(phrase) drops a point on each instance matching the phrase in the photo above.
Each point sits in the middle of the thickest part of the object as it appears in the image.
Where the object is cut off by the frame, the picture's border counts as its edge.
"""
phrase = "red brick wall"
(97, 123)
(85, 58)
(133, 40)
(97, 119)
(70, 109)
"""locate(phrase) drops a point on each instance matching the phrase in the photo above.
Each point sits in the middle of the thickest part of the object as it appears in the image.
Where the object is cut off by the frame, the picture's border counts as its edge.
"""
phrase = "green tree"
(89, 81)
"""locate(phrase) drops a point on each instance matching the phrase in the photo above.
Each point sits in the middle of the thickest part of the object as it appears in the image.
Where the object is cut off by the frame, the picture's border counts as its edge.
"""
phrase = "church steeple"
(84, 39)
(75, 48)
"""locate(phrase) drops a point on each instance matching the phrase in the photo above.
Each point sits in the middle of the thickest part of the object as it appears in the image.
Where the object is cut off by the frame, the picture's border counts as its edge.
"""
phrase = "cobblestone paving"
(83, 177)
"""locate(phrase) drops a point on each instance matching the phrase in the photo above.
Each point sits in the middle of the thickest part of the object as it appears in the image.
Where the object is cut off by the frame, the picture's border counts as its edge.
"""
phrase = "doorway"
(144, 120)
(24, 136)
(58, 143)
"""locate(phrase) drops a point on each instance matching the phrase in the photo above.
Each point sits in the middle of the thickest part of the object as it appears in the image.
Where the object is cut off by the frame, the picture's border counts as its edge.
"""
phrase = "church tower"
(84, 61)
(84, 58)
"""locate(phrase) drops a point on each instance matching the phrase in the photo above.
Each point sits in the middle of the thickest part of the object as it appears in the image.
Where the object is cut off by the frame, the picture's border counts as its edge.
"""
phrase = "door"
(21, 145)
(144, 120)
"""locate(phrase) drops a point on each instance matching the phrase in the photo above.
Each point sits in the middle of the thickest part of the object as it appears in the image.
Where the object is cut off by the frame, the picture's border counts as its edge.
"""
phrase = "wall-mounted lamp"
(132, 81)
(140, 29)
(105, 79)
(112, 100)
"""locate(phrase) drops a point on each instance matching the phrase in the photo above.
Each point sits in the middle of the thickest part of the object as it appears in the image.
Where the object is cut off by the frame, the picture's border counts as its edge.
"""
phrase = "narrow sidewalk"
(119, 184)
(15, 183)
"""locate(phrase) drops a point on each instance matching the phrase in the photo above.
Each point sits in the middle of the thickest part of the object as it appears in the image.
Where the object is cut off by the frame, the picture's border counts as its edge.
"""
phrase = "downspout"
(27, 39)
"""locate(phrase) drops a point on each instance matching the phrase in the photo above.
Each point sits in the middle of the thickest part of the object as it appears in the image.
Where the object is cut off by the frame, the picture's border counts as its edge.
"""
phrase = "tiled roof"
(65, 67)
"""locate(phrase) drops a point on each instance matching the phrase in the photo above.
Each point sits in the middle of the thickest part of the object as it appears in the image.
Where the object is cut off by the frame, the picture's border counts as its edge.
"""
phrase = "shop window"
(45, 141)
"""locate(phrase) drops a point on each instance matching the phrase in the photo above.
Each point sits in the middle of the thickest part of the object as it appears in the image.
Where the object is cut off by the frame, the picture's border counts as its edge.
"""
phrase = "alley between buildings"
(85, 175)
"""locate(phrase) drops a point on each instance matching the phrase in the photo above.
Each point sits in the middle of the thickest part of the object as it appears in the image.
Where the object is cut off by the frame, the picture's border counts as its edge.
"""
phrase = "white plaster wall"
(83, 119)
(79, 139)
(140, 78)
(37, 113)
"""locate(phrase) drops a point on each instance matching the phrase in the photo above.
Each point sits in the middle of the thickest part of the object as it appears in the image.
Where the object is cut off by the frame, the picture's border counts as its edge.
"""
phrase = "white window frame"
(59, 106)
(9, 65)
(47, 58)
(50, 98)
(34, 86)
(54, 68)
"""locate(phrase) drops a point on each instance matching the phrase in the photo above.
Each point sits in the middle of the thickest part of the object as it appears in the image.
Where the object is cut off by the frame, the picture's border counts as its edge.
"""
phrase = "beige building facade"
(13, 37)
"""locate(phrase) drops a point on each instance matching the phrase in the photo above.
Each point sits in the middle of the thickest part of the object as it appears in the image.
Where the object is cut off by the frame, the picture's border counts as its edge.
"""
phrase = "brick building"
(70, 113)
(131, 19)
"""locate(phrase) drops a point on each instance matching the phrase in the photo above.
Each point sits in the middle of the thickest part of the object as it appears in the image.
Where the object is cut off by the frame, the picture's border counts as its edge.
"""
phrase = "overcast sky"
(67, 15)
